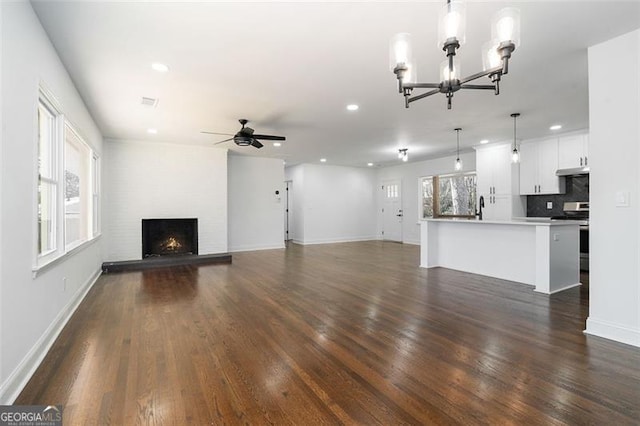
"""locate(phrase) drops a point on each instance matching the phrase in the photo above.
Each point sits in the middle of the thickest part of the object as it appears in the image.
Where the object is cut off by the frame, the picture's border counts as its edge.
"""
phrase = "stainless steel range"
(579, 211)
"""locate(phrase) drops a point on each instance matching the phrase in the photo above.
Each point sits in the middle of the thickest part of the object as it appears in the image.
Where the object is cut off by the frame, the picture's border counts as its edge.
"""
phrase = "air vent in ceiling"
(150, 102)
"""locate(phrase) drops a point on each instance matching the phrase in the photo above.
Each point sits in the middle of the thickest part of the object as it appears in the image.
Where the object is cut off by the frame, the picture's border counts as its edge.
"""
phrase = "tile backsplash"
(577, 189)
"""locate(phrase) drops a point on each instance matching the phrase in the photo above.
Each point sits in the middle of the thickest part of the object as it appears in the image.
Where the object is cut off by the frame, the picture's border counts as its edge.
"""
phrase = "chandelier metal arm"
(421, 85)
(478, 86)
(421, 96)
(490, 71)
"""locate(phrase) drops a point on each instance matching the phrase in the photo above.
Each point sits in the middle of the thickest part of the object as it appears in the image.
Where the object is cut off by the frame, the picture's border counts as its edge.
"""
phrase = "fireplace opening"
(168, 237)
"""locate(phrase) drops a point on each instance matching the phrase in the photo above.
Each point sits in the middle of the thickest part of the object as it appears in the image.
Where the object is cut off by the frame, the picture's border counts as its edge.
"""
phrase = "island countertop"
(516, 221)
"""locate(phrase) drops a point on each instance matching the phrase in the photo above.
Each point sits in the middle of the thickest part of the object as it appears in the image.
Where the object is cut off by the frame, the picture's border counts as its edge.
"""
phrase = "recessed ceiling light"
(157, 66)
(352, 107)
(323, 160)
(555, 127)
(484, 141)
(152, 131)
(277, 144)
(369, 164)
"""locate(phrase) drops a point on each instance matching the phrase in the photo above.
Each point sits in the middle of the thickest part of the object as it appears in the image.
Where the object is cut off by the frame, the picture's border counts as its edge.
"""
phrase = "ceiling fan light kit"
(451, 29)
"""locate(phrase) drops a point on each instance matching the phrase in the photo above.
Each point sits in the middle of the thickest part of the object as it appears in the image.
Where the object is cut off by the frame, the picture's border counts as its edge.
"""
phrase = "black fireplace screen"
(165, 237)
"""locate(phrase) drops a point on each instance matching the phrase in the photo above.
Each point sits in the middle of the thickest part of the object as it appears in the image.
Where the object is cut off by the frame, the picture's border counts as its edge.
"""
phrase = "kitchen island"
(542, 254)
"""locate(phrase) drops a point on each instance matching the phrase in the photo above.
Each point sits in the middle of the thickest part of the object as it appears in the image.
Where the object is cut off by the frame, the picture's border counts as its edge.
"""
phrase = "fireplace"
(169, 237)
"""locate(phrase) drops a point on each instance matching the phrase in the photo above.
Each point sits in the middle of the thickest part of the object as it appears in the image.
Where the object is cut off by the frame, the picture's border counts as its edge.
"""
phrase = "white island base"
(543, 254)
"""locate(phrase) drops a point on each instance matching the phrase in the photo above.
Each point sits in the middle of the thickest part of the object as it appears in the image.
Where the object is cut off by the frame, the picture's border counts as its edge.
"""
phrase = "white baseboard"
(335, 240)
(612, 331)
(564, 288)
(255, 248)
(17, 380)
(412, 242)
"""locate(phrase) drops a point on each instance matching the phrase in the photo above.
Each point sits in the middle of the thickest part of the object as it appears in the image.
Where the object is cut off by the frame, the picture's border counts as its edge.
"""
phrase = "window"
(68, 190)
(47, 177)
(77, 189)
(95, 196)
(449, 195)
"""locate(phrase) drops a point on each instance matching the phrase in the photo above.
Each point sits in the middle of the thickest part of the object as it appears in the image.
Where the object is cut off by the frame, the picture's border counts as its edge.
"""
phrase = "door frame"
(382, 198)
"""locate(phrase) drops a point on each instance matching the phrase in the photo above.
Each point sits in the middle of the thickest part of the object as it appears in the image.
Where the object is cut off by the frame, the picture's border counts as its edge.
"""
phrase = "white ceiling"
(291, 69)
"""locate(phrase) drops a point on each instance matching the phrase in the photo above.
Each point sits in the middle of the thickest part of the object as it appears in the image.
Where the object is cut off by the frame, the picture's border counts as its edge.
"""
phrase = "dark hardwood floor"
(343, 333)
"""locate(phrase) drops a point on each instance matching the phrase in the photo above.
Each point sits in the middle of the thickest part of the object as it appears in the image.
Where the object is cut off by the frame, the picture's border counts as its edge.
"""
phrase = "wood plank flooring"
(352, 333)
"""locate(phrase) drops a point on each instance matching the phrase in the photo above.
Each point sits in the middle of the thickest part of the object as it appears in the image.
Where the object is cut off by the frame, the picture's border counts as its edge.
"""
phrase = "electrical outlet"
(549, 205)
(556, 237)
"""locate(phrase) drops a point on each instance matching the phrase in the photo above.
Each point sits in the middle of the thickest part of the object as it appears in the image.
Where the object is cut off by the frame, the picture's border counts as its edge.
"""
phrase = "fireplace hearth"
(169, 237)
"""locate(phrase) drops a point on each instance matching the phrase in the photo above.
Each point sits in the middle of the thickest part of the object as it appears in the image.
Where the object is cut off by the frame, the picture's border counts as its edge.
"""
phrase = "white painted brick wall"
(153, 180)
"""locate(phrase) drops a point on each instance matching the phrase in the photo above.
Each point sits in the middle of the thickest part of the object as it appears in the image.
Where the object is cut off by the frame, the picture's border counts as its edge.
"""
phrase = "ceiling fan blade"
(270, 137)
(226, 140)
(214, 133)
(255, 143)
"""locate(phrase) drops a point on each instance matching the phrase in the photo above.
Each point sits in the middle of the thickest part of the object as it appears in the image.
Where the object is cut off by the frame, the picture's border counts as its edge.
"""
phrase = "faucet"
(481, 204)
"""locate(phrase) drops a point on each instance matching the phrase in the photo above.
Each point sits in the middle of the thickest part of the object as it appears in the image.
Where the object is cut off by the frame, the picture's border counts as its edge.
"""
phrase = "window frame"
(61, 126)
(47, 101)
(436, 196)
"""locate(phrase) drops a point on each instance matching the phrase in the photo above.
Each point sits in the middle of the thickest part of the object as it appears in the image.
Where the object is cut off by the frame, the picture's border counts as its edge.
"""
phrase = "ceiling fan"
(246, 137)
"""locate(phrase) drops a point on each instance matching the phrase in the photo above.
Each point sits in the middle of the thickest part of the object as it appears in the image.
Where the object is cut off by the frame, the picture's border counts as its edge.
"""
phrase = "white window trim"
(44, 261)
(58, 129)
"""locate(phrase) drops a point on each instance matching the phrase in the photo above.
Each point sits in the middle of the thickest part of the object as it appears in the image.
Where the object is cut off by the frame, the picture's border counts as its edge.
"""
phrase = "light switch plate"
(622, 198)
(549, 205)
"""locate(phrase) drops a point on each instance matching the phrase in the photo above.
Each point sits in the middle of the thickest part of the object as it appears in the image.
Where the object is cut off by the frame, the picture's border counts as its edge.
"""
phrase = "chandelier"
(505, 36)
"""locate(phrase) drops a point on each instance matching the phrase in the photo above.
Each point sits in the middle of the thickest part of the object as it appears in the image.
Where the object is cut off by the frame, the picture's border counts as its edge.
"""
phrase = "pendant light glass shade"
(458, 164)
(505, 26)
(400, 51)
(452, 23)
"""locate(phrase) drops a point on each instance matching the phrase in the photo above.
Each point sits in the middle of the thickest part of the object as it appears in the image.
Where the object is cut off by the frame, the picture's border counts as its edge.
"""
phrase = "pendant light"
(402, 154)
(458, 165)
(515, 155)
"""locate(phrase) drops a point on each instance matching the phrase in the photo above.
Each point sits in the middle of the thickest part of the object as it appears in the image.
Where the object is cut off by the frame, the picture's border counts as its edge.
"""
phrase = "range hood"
(574, 171)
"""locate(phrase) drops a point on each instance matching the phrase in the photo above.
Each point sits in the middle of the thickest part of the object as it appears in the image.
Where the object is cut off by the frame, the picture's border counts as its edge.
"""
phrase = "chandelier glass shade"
(451, 35)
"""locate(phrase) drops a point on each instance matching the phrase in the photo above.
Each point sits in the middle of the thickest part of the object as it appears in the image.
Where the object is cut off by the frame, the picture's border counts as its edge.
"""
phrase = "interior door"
(392, 210)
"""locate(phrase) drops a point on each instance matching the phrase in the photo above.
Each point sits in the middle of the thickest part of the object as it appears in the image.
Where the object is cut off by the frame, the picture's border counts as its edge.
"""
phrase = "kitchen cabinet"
(538, 166)
(497, 182)
(573, 151)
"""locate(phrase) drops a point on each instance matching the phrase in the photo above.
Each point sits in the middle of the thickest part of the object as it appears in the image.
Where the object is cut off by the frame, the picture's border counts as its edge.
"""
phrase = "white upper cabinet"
(573, 151)
(538, 166)
(497, 181)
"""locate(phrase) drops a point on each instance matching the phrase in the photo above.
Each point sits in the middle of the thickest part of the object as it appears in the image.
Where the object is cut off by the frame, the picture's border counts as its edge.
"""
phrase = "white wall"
(33, 310)
(160, 180)
(338, 203)
(409, 174)
(256, 214)
(614, 156)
